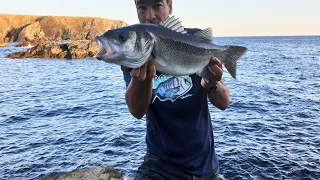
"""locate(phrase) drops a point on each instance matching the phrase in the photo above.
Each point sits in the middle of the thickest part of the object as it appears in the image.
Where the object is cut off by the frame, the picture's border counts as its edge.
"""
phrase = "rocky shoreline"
(3, 44)
(46, 35)
(60, 50)
(91, 173)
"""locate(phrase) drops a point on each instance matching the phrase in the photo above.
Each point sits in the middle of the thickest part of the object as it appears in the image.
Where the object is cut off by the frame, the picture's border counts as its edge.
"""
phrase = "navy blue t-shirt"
(179, 128)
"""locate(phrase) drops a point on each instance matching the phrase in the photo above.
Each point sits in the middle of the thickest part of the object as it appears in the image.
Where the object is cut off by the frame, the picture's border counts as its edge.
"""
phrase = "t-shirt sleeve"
(127, 78)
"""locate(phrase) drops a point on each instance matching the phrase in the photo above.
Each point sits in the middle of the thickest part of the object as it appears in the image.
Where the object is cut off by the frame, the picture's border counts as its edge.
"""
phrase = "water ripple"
(60, 115)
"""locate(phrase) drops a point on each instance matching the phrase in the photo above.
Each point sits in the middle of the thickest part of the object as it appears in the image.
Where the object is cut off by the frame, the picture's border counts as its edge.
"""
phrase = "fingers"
(146, 70)
(135, 73)
(125, 69)
(209, 84)
(151, 70)
(143, 72)
(216, 61)
(215, 69)
(215, 73)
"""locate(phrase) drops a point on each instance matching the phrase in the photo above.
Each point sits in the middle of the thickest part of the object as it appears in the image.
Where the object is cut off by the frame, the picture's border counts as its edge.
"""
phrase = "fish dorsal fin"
(204, 35)
(174, 24)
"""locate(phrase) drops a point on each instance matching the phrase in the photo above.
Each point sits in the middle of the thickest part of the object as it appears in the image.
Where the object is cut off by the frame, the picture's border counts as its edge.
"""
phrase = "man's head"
(153, 11)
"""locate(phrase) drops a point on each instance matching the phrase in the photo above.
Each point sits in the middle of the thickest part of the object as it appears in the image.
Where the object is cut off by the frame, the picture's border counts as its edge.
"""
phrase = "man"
(180, 142)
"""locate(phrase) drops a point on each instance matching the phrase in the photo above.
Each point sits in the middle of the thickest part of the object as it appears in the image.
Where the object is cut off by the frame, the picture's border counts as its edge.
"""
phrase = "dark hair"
(166, 0)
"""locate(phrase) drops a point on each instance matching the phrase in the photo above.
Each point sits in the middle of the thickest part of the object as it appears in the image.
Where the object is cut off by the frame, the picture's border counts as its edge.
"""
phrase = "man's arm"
(219, 96)
(139, 91)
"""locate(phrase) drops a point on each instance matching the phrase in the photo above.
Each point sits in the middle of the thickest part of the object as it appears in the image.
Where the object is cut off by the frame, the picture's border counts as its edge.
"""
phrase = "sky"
(225, 17)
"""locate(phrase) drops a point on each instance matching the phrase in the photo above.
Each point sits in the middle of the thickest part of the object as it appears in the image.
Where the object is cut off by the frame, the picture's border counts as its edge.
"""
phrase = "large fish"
(176, 52)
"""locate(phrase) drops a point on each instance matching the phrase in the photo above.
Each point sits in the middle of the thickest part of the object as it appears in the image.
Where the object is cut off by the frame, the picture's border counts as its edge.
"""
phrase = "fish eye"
(122, 37)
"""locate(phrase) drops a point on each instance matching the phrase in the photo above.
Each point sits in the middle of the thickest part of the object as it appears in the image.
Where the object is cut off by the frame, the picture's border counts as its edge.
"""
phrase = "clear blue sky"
(226, 17)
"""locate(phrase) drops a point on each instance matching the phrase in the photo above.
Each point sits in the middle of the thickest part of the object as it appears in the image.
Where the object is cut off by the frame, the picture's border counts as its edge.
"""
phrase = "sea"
(57, 115)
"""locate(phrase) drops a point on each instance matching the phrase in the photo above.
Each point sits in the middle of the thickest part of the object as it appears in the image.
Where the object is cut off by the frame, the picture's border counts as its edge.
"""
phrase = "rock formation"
(42, 31)
(71, 50)
(3, 44)
(20, 28)
(94, 173)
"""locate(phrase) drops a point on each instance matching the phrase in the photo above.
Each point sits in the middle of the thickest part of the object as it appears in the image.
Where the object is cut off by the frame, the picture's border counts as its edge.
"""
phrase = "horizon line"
(224, 36)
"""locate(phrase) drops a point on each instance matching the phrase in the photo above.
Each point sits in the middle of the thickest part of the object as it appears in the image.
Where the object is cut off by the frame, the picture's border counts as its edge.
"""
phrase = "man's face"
(153, 11)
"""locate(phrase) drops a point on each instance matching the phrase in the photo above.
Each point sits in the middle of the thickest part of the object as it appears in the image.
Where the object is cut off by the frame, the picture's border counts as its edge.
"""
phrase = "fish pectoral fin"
(174, 24)
(161, 61)
(204, 35)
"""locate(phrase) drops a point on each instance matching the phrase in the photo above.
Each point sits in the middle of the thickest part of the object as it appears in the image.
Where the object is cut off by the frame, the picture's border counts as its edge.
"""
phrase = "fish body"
(176, 52)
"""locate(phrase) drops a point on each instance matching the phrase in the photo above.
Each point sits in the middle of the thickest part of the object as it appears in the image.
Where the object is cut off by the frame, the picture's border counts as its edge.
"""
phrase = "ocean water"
(58, 115)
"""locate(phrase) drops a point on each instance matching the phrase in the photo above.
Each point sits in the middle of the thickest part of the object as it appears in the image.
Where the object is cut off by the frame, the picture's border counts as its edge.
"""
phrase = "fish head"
(124, 46)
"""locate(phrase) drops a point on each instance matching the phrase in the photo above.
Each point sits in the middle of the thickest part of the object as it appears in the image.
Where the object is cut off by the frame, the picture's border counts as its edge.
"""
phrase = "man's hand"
(218, 97)
(139, 91)
(148, 70)
(214, 72)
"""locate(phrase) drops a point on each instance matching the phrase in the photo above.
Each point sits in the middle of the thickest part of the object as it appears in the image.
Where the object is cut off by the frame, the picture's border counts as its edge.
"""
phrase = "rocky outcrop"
(68, 50)
(3, 44)
(31, 32)
(94, 173)
(30, 43)
(12, 25)
(21, 28)
(43, 32)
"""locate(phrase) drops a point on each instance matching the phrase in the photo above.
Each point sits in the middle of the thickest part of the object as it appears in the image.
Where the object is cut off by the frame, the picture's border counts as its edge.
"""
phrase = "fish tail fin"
(232, 55)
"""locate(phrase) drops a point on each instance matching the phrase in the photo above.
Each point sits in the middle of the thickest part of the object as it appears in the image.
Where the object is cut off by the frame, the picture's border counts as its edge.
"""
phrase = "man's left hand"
(214, 72)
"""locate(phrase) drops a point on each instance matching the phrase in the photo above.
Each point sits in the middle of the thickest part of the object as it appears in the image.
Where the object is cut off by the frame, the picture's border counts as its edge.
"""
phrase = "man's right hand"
(148, 70)
(139, 91)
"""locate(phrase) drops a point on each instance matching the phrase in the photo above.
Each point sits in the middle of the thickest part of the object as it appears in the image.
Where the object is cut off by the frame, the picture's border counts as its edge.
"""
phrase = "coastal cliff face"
(54, 36)
(20, 28)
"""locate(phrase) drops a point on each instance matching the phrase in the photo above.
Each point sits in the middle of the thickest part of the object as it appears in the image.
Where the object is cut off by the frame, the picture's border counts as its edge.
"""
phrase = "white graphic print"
(170, 88)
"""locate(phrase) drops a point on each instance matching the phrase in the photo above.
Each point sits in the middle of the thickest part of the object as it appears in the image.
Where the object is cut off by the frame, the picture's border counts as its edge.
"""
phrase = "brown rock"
(22, 28)
(11, 25)
(23, 44)
(31, 32)
(83, 49)
(73, 50)
(32, 43)
(94, 173)
(3, 44)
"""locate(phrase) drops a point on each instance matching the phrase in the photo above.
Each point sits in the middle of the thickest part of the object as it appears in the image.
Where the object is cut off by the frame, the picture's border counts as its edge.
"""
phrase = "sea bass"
(176, 52)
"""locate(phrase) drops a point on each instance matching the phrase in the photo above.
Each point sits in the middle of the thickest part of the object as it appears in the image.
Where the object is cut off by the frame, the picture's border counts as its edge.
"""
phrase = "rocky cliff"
(21, 28)
(49, 35)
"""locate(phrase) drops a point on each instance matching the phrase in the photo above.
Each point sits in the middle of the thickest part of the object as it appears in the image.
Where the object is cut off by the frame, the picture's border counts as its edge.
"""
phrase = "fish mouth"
(106, 51)
(102, 51)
